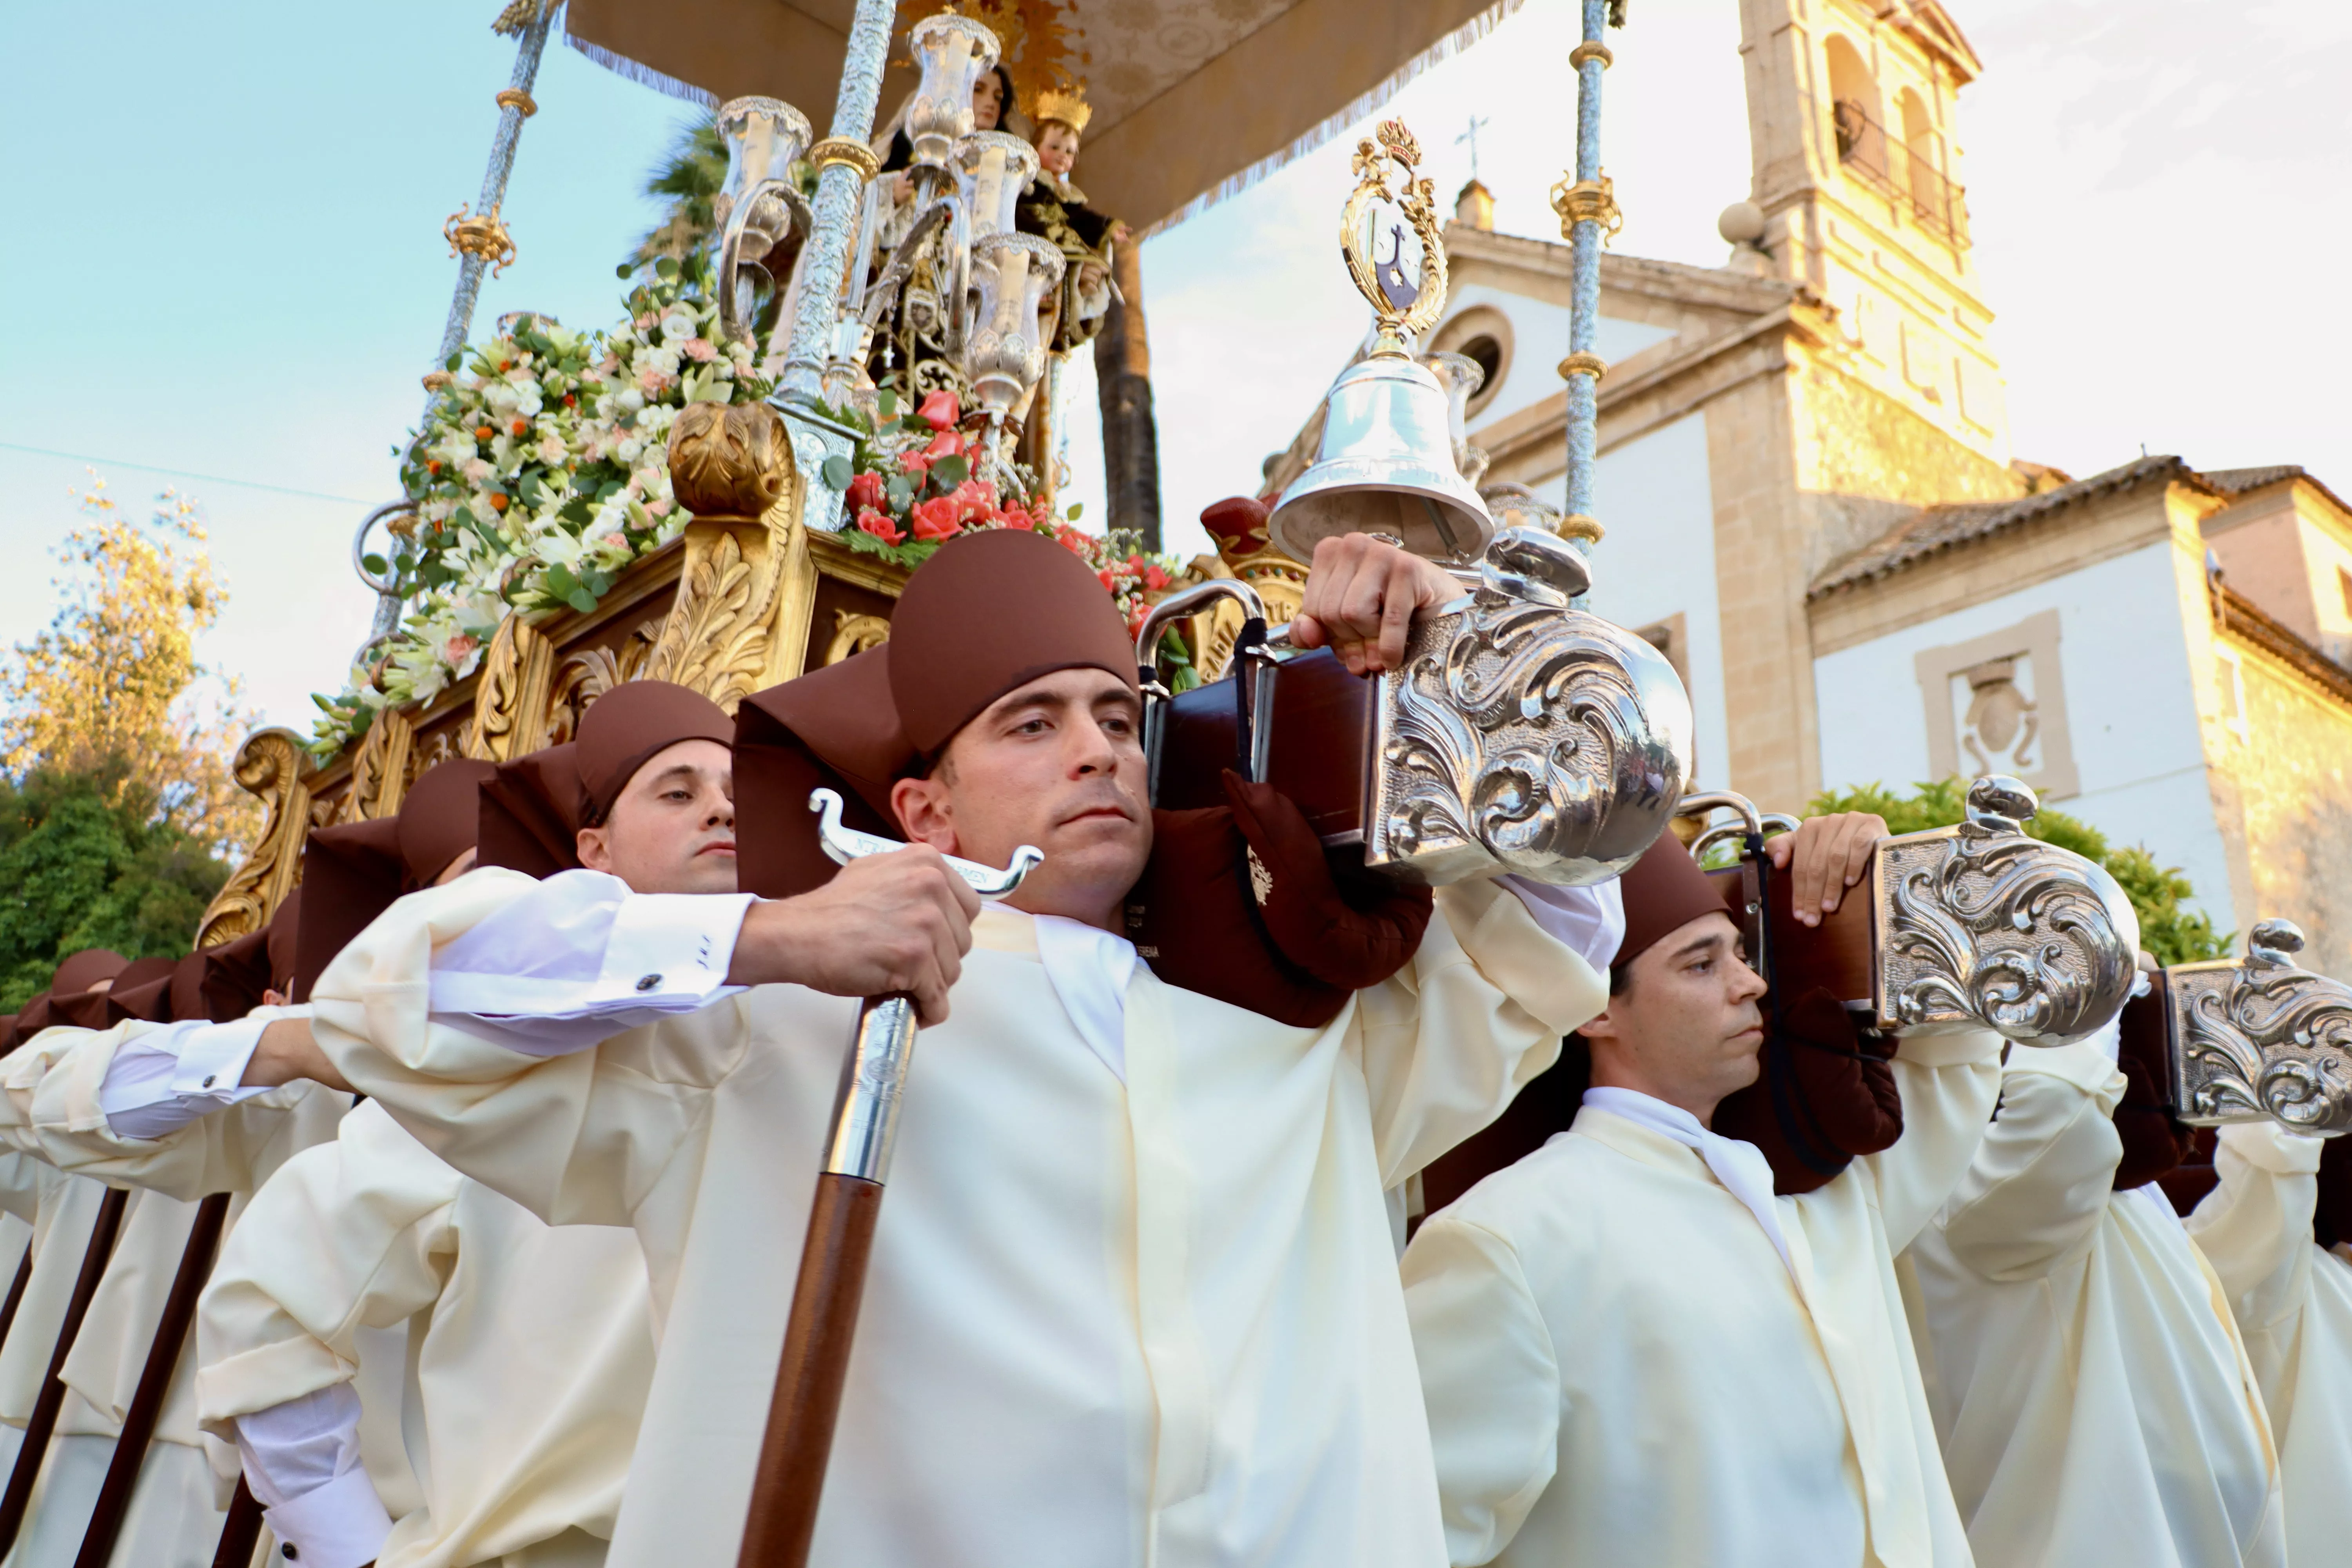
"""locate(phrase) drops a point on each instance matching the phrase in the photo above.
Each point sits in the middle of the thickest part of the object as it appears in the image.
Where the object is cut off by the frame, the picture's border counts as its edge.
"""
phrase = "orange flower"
(498, 502)
(483, 432)
(520, 427)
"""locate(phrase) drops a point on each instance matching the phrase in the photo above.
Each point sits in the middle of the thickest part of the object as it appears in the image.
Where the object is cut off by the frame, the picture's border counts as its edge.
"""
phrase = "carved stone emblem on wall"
(1996, 705)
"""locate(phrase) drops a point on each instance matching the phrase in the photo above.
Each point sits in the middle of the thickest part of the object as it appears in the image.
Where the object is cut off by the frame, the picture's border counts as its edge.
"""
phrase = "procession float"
(730, 488)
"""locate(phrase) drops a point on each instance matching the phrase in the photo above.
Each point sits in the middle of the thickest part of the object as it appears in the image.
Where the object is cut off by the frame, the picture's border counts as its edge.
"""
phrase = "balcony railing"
(1903, 174)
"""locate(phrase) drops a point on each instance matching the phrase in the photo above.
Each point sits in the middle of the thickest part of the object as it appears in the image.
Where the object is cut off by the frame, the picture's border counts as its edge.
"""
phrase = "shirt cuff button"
(648, 982)
(291, 1555)
(209, 1077)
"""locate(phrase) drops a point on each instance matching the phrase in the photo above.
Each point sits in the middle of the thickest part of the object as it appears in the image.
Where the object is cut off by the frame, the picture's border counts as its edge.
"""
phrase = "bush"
(2174, 935)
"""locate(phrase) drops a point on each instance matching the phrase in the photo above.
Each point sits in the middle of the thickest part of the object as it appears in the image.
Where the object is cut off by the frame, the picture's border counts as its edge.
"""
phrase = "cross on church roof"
(1477, 122)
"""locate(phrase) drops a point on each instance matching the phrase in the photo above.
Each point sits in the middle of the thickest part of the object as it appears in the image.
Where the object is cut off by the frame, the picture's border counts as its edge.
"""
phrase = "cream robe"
(534, 1344)
(1156, 1321)
(1620, 1371)
(2293, 1302)
(49, 1109)
(2093, 1400)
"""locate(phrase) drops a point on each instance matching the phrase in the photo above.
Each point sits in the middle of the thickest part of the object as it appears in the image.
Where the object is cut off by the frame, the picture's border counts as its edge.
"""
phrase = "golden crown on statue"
(1067, 105)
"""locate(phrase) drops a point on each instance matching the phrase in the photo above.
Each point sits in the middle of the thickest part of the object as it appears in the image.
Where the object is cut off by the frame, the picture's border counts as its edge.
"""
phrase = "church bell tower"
(1856, 197)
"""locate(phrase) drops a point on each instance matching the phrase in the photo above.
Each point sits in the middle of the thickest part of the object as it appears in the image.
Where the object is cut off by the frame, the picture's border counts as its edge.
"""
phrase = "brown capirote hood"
(437, 818)
(630, 725)
(989, 614)
(1664, 890)
(86, 969)
(834, 728)
(530, 814)
(352, 872)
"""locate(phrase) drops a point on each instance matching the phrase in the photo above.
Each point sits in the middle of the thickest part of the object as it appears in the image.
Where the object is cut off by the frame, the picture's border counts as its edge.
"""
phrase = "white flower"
(529, 401)
(677, 325)
(664, 359)
(476, 472)
(631, 399)
(657, 420)
(551, 448)
(501, 396)
(631, 448)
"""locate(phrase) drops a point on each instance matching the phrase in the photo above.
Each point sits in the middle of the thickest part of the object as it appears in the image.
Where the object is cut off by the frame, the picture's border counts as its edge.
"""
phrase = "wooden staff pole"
(52, 1398)
(15, 1293)
(243, 1531)
(154, 1383)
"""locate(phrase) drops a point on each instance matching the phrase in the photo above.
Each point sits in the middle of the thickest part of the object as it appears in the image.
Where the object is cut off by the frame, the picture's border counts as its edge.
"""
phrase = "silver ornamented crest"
(2262, 1038)
(1980, 923)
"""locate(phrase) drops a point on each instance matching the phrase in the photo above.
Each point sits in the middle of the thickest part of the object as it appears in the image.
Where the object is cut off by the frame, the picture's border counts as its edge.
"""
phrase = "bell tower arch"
(1852, 107)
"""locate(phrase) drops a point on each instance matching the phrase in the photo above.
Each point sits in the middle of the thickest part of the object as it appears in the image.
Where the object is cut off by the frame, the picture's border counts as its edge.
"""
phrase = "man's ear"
(926, 812)
(594, 848)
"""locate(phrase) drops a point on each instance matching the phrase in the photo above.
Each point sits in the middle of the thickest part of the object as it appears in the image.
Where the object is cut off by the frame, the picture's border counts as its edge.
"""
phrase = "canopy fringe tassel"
(1340, 121)
(644, 74)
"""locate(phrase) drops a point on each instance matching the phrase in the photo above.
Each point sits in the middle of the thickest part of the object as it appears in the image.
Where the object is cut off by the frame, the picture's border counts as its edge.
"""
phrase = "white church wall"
(1539, 342)
(2124, 685)
(1654, 496)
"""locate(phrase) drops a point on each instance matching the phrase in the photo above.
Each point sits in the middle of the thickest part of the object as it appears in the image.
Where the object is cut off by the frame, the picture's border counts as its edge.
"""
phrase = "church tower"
(1856, 198)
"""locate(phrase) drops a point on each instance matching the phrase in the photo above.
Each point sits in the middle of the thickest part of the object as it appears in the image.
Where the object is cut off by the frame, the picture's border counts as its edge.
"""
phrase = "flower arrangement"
(910, 488)
(539, 474)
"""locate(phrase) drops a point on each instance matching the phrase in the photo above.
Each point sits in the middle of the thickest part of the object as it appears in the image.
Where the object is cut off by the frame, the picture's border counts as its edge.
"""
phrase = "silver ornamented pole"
(480, 240)
(1588, 213)
(844, 163)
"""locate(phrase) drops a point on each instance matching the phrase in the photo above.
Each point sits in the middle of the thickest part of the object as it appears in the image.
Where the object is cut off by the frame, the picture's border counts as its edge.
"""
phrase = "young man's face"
(987, 101)
(1685, 1027)
(1058, 148)
(1058, 763)
(672, 827)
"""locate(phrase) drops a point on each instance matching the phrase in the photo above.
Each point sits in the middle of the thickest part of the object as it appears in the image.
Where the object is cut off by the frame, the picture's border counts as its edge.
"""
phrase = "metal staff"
(154, 1383)
(840, 1241)
(44, 1421)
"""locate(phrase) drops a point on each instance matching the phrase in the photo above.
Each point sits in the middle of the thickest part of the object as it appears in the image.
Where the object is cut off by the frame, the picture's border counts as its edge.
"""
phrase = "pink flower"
(658, 508)
(946, 444)
(914, 463)
(879, 526)
(1154, 579)
(936, 518)
(865, 490)
(939, 410)
(653, 382)
(974, 499)
(455, 649)
(702, 349)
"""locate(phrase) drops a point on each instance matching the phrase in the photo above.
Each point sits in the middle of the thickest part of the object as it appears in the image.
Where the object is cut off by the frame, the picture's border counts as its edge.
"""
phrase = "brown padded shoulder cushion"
(1825, 1097)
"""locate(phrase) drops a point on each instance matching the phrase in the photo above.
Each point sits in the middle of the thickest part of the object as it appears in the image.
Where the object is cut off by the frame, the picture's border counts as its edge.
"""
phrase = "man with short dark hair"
(1632, 1351)
(1133, 1296)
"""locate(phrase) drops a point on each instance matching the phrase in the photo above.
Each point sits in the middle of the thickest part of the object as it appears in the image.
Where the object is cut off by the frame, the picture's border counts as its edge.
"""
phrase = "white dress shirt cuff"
(341, 1524)
(165, 1079)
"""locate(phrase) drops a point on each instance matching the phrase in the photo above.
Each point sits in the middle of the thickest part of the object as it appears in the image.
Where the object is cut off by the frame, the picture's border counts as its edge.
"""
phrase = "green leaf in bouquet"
(623, 271)
(577, 511)
(666, 268)
(949, 473)
(560, 581)
(598, 582)
(901, 492)
(581, 599)
(373, 564)
(1076, 509)
(836, 472)
(888, 403)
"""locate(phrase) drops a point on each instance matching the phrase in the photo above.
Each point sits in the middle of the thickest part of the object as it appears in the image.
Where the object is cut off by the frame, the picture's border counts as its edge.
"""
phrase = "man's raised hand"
(886, 923)
(1831, 854)
(1361, 598)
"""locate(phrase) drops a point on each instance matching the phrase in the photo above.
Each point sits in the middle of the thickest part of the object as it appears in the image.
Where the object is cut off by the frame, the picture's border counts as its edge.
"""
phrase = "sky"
(229, 264)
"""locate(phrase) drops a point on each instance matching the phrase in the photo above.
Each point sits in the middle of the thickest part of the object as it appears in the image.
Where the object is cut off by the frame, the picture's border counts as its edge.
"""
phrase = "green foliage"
(687, 181)
(2174, 935)
(85, 861)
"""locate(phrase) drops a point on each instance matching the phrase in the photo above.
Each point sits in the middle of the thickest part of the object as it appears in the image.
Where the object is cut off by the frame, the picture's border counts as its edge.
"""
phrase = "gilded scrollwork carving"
(854, 633)
(2262, 1038)
(733, 470)
(510, 699)
(1979, 923)
(588, 675)
(271, 764)
(379, 770)
(1524, 738)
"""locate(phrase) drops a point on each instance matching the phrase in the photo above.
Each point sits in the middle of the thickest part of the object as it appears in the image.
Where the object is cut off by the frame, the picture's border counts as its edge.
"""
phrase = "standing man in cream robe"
(2096, 1405)
(1632, 1351)
(2275, 1230)
(1132, 1297)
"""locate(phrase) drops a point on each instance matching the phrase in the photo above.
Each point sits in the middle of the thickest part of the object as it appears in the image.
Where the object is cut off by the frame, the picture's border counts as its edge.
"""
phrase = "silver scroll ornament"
(2262, 1038)
(1524, 737)
(1979, 924)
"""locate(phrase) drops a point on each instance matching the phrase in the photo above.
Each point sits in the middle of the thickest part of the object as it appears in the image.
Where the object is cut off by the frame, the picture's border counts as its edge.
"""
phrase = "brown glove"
(1825, 1097)
(2154, 1143)
(1239, 903)
(2331, 1221)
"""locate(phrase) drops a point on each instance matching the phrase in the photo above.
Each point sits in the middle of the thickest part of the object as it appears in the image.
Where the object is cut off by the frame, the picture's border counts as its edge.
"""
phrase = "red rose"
(1154, 578)
(879, 526)
(946, 444)
(936, 518)
(914, 463)
(865, 490)
(939, 411)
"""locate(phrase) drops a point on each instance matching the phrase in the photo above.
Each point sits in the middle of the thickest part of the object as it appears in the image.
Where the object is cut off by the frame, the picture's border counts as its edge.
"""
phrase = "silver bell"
(1385, 465)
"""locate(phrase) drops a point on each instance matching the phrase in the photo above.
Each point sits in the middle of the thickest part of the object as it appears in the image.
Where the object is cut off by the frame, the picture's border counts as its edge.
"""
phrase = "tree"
(112, 688)
(120, 817)
(690, 179)
(2174, 935)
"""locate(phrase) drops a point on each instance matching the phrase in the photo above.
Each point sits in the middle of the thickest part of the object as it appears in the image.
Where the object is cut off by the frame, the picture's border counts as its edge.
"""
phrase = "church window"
(2344, 585)
(1483, 334)
(1855, 116)
(1489, 356)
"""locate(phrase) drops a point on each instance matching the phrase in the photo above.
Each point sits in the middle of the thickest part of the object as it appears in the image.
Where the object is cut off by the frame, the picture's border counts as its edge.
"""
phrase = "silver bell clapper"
(760, 204)
(1386, 464)
(840, 1240)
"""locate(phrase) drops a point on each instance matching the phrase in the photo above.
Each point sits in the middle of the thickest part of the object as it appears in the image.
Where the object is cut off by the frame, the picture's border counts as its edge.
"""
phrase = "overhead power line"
(177, 473)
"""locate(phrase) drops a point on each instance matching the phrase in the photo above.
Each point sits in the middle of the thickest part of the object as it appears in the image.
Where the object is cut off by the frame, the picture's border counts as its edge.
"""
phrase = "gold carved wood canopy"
(1187, 94)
